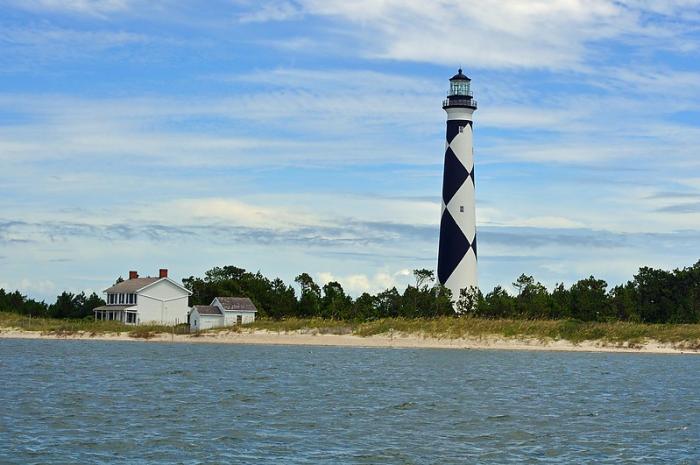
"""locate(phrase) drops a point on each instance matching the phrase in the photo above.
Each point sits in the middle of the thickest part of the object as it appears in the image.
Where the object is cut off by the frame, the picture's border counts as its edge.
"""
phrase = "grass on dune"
(453, 328)
(68, 327)
(685, 336)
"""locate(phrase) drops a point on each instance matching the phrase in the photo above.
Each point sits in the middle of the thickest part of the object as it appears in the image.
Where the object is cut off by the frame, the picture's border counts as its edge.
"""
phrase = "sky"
(308, 136)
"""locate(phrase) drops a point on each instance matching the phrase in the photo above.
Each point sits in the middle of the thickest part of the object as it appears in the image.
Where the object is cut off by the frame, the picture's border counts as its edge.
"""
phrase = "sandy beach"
(314, 338)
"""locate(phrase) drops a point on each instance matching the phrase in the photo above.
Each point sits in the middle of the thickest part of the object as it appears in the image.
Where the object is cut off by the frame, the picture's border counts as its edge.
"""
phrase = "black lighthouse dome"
(459, 76)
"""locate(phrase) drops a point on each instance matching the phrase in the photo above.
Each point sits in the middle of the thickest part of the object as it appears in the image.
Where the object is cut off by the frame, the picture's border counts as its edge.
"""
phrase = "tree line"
(277, 299)
(67, 305)
(651, 296)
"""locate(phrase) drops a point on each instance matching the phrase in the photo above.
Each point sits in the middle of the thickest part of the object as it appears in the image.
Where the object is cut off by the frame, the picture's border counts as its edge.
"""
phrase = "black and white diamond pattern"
(457, 249)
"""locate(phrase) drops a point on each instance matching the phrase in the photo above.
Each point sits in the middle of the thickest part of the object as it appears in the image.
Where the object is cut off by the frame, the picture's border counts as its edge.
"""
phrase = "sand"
(314, 338)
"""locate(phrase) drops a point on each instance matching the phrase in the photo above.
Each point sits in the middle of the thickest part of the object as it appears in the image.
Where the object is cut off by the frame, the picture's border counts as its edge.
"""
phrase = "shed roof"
(207, 309)
(237, 303)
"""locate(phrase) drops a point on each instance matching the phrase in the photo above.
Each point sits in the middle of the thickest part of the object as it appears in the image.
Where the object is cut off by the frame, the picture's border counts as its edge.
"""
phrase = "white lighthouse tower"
(457, 250)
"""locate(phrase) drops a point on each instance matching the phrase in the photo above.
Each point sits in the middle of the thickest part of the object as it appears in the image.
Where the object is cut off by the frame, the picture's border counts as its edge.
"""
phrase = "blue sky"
(291, 136)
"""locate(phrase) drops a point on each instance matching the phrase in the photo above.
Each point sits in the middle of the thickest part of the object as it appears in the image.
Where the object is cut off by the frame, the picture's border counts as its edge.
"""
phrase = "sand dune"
(387, 340)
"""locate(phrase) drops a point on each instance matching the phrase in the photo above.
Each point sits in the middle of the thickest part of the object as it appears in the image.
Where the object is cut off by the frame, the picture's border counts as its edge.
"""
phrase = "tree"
(388, 303)
(623, 303)
(424, 278)
(468, 300)
(654, 292)
(442, 298)
(560, 302)
(89, 304)
(532, 300)
(64, 306)
(283, 300)
(589, 301)
(15, 302)
(496, 304)
(365, 307)
(335, 304)
(226, 273)
(310, 302)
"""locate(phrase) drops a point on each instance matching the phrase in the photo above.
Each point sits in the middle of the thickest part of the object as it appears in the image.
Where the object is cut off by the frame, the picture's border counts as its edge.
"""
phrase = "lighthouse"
(457, 248)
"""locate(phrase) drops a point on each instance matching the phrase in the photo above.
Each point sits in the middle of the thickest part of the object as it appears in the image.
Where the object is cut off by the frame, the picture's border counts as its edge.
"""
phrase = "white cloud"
(356, 284)
(32, 286)
(236, 212)
(492, 33)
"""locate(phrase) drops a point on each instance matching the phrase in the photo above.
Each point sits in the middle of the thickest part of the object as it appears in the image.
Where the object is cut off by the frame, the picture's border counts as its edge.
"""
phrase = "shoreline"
(394, 340)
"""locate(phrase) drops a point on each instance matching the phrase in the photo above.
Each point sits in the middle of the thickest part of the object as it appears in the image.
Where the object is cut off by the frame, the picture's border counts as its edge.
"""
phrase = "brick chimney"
(163, 273)
(133, 274)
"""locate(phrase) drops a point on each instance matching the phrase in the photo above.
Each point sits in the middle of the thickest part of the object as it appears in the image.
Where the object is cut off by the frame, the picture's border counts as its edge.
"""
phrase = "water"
(66, 402)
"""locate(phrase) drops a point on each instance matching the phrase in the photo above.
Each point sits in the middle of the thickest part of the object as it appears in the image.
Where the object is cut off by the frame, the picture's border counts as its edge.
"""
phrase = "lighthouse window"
(459, 88)
(461, 208)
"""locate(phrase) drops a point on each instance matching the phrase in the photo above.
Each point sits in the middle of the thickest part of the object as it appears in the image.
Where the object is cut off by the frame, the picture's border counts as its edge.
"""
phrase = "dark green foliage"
(533, 301)
(668, 296)
(67, 305)
(653, 296)
(388, 304)
(18, 303)
(589, 300)
(335, 304)
(310, 302)
(496, 304)
(70, 305)
(273, 299)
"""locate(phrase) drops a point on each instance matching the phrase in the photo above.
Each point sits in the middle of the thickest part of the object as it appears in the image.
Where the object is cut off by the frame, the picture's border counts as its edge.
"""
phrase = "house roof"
(207, 310)
(131, 285)
(237, 303)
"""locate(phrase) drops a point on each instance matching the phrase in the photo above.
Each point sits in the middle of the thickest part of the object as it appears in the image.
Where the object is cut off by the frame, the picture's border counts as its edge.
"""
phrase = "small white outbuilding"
(223, 311)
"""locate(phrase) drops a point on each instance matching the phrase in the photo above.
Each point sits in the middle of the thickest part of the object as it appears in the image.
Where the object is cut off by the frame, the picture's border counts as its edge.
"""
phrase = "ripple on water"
(141, 403)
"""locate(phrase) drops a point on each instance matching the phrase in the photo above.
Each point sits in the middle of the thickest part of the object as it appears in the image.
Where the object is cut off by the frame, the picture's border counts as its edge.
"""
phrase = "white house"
(146, 300)
(223, 311)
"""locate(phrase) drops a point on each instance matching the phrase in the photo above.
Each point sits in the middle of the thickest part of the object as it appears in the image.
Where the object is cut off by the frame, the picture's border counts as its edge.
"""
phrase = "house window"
(121, 298)
(461, 129)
